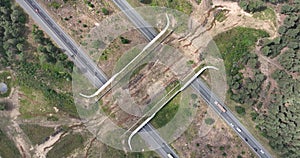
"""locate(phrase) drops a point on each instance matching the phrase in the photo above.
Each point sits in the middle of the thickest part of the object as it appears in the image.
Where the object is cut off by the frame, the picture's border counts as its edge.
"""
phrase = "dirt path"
(13, 129)
(237, 17)
(42, 149)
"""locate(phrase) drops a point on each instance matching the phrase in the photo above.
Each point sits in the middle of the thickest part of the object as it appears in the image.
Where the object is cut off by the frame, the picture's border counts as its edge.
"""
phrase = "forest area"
(279, 119)
(281, 124)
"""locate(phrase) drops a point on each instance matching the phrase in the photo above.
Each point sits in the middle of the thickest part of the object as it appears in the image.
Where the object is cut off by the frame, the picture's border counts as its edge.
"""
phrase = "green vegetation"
(266, 14)
(235, 46)
(7, 147)
(50, 66)
(190, 62)
(289, 36)
(36, 134)
(55, 5)
(280, 124)
(108, 151)
(43, 71)
(252, 5)
(5, 77)
(2, 106)
(89, 3)
(105, 11)
(6, 105)
(137, 70)
(221, 15)
(222, 148)
(166, 114)
(209, 121)
(11, 32)
(66, 145)
(240, 110)
(124, 40)
(181, 5)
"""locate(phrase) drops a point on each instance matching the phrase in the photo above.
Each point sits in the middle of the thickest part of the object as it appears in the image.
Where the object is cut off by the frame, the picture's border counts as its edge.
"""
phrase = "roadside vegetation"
(7, 147)
(181, 5)
(235, 46)
(36, 134)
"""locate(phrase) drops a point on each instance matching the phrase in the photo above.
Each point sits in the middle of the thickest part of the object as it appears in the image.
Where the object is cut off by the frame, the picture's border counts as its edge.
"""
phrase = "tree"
(146, 1)
(124, 40)
(240, 110)
(105, 11)
(252, 5)
(20, 46)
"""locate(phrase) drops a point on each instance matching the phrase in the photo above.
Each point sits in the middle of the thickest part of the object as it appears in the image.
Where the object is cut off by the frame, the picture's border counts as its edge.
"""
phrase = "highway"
(97, 76)
(199, 86)
(82, 61)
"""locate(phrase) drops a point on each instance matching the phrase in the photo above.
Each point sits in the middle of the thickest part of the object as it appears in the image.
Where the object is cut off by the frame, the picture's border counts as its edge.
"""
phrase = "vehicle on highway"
(170, 155)
(255, 149)
(238, 129)
(220, 106)
(231, 124)
(246, 139)
(37, 10)
(262, 151)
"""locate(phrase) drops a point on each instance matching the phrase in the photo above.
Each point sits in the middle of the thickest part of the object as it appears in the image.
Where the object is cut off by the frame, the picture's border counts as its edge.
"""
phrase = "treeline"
(12, 24)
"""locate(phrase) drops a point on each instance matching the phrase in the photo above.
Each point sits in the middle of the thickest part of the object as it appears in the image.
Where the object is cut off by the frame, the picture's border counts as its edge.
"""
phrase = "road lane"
(199, 86)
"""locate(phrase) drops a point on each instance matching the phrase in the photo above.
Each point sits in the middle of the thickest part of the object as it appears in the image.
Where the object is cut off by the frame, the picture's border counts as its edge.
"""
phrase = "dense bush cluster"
(252, 5)
(281, 124)
(235, 46)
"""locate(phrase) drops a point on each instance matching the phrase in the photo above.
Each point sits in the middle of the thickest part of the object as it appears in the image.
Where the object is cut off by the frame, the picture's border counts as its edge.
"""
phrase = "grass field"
(66, 146)
(235, 43)
(169, 110)
(37, 134)
(33, 103)
(267, 14)
(7, 147)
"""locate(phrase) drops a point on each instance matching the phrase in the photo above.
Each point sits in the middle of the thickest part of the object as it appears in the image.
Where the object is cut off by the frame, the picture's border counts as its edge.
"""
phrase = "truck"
(220, 106)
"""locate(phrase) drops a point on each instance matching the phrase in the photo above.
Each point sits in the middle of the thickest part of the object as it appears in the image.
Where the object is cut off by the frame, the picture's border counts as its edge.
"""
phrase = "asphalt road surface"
(199, 86)
(82, 61)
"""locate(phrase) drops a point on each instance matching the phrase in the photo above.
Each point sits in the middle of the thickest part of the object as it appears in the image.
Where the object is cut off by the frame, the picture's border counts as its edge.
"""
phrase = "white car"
(238, 129)
(262, 151)
(231, 124)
